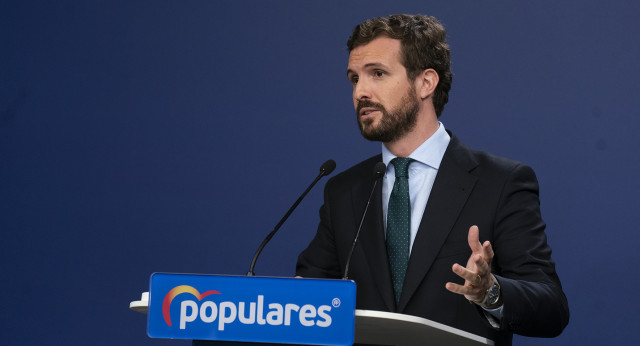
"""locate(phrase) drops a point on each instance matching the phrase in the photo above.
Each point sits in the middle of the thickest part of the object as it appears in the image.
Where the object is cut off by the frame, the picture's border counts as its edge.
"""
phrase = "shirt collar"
(429, 153)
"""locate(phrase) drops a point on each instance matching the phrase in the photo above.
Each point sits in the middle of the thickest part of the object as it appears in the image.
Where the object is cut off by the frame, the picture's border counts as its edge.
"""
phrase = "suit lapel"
(450, 191)
(371, 237)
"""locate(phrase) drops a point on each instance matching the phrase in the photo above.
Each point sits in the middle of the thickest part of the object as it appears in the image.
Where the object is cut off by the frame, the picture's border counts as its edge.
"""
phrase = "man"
(452, 235)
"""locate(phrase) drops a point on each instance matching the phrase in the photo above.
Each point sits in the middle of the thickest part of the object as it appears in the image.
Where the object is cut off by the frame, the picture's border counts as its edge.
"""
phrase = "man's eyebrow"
(369, 65)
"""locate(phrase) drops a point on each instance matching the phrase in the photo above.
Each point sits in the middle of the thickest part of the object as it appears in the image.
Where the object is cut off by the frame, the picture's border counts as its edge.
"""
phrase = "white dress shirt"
(422, 174)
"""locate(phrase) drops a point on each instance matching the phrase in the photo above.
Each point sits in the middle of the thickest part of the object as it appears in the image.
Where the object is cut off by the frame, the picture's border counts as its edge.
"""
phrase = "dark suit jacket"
(471, 188)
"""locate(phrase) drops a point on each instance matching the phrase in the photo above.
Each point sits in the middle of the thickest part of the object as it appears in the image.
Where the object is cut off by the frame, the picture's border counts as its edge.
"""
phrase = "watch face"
(494, 294)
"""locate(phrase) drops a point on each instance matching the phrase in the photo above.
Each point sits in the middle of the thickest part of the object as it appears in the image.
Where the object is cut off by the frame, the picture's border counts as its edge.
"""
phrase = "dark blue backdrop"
(143, 136)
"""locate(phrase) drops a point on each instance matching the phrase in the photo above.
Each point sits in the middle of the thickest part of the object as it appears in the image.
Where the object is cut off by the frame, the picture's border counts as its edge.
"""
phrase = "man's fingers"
(469, 292)
(482, 266)
(455, 288)
(474, 239)
(477, 273)
(479, 248)
(459, 289)
(464, 273)
(487, 250)
(470, 276)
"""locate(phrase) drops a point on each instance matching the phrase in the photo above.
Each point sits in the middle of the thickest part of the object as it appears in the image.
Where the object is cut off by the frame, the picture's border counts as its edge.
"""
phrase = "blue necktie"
(398, 224)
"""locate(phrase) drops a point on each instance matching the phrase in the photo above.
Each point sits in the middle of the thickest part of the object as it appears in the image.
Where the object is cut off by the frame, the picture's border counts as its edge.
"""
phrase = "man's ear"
(427, 81)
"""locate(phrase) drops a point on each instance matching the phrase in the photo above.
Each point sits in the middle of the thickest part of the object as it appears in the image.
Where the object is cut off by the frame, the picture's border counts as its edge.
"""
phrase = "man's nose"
(362, 90)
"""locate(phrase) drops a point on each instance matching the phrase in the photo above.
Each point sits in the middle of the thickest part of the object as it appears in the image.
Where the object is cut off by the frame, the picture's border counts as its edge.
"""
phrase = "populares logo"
(227, 312)
(166, 304)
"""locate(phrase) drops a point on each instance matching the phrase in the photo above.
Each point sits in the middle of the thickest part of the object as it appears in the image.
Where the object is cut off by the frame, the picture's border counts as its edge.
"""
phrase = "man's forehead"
(382, 50)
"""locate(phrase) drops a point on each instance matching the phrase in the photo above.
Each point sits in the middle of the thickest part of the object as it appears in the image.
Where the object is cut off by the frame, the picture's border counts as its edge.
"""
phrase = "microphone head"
(327, 167)
(379, 170)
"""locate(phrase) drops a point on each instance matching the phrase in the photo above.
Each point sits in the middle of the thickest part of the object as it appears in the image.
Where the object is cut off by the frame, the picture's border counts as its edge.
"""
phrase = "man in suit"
(452, 234)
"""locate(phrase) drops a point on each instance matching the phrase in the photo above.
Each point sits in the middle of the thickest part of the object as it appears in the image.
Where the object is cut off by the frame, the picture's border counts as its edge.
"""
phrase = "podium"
(371, 327)
(387, 328)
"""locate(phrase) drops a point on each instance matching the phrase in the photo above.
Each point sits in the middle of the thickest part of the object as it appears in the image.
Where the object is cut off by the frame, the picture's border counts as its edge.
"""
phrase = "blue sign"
(258, 309)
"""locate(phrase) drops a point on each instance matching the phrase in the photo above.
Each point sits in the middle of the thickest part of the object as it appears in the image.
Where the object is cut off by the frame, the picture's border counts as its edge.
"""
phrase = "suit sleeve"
(534, 303)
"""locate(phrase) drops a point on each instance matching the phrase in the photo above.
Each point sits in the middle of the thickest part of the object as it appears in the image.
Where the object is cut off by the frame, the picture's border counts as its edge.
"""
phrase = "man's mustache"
(369, 104)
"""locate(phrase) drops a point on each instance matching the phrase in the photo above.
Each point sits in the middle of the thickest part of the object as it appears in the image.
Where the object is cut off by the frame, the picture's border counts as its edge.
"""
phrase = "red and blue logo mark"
(166, 303)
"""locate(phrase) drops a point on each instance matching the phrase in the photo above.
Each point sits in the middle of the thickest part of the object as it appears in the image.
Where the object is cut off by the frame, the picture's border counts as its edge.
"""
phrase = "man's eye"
(379, 73)
(354, 80)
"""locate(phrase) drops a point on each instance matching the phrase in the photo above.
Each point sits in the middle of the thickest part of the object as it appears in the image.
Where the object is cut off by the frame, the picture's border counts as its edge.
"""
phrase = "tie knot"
(401, 164)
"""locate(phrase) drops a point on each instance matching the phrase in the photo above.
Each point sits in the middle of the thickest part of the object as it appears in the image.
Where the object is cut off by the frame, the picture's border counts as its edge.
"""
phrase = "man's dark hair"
(424, 46)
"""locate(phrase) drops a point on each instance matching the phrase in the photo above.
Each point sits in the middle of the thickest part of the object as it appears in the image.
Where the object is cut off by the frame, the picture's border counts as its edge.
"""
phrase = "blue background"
(143, 136)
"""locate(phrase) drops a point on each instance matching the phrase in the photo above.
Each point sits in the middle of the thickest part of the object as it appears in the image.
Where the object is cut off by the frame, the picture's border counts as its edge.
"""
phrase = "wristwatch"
(492, 296)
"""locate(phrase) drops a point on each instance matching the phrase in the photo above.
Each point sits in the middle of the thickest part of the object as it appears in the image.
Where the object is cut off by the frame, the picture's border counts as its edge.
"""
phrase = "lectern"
(280, 310)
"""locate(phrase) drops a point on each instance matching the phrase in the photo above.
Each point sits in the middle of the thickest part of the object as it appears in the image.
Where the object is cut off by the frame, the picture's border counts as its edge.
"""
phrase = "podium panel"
(251, 309)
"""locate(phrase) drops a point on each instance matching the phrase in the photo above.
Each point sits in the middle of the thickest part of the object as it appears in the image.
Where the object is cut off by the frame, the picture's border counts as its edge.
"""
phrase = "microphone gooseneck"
(325, 169)
(378, 172)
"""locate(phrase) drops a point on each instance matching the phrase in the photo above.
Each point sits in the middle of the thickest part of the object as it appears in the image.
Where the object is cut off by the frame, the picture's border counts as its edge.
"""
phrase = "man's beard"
(392, 126)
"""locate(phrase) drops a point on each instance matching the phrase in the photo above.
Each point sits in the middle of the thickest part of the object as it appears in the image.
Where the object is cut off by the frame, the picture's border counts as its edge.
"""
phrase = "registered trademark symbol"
(335, 302)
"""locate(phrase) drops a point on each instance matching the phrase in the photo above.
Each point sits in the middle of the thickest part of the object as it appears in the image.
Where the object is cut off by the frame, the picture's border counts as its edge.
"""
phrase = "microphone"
(325, 169)
(378, 172)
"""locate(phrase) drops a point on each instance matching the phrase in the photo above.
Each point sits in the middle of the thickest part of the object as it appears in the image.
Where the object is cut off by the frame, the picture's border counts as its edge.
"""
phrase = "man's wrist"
(493, 296)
